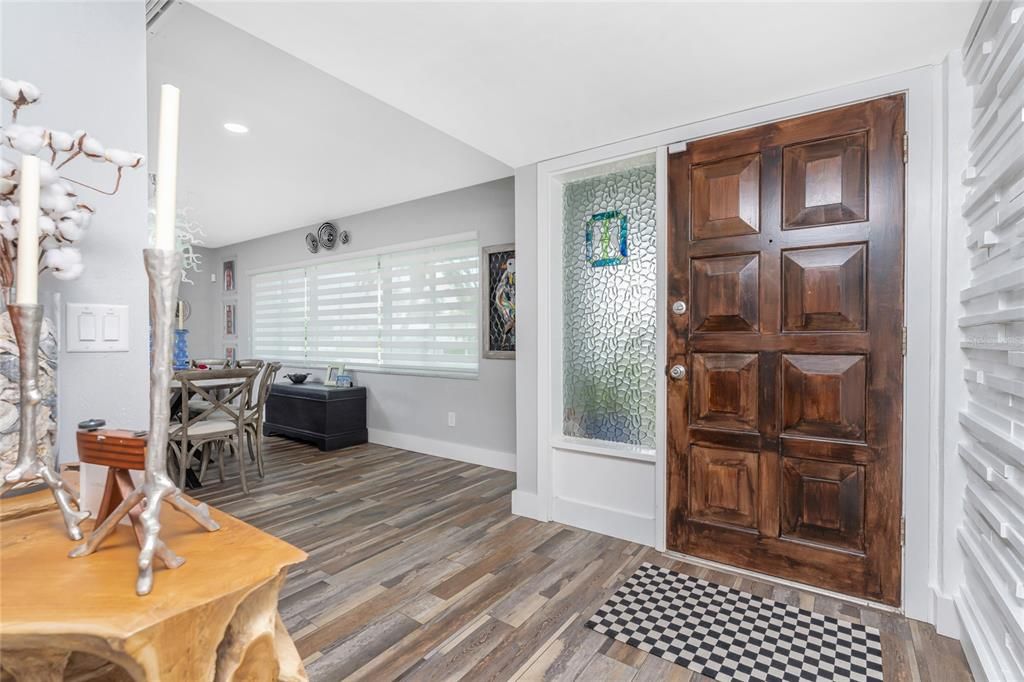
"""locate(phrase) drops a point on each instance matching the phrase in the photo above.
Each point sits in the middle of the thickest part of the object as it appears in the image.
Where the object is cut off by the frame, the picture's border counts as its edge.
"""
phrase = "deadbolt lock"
(677, 372)
(679, 307)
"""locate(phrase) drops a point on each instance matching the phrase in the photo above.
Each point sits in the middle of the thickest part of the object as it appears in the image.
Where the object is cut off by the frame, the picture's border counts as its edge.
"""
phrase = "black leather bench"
(327, 416)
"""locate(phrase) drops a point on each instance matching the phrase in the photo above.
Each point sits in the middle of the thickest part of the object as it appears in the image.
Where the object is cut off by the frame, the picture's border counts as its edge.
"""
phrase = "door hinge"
(903, 531)
(906, 146)
(904, 342)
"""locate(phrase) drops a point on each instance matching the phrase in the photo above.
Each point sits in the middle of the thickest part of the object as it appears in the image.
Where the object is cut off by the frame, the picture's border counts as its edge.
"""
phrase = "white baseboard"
(613, 522)
(947, 622)
(447, 449)
(528, 504)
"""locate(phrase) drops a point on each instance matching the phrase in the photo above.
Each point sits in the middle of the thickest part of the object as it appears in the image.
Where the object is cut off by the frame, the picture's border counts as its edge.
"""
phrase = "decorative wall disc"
(311, 243)
(328, 235)
(344, 236)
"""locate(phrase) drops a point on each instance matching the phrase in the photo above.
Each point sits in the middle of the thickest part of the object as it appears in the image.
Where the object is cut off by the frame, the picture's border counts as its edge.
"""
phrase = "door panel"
(786, 243)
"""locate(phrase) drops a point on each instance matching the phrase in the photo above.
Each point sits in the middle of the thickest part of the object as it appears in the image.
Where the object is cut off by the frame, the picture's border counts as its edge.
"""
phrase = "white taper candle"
(28, 232)
(167, 168)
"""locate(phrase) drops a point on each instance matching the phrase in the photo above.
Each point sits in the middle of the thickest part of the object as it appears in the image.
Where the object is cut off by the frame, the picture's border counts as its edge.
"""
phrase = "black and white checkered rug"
(731, 635)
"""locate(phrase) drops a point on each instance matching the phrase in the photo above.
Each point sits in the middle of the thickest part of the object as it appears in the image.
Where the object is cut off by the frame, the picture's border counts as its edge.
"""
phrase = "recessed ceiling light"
(236, 128)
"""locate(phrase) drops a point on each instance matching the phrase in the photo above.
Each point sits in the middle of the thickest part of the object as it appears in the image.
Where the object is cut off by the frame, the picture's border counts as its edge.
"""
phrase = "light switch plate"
(97, 328)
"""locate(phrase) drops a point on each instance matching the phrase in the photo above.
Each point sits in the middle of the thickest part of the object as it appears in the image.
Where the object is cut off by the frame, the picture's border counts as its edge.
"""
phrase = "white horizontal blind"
(412, 311)
(279, 315)
(430, 308)
(344, 305)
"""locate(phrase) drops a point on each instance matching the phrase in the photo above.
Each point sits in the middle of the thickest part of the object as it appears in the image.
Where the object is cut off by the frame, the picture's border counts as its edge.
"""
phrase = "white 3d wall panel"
(991, 601)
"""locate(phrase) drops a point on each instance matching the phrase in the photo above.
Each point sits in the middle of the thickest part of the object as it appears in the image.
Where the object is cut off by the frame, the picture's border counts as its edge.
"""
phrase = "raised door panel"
(725, 390)
(823, 502)
(726, 197)
(725, 293)
(825, 289)
(724, 486)
(824, 395)
(825, 182)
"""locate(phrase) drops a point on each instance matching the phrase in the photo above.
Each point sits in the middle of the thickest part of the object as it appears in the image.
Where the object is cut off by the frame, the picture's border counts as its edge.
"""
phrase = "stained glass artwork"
(608, 356)
(607, 237)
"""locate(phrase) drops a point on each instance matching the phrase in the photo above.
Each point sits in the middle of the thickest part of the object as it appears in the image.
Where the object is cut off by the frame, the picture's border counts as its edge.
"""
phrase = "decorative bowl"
(297, 378)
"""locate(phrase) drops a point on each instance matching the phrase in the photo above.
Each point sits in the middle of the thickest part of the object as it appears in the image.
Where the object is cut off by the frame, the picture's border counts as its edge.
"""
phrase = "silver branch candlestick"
(164, 270)
(27, 318)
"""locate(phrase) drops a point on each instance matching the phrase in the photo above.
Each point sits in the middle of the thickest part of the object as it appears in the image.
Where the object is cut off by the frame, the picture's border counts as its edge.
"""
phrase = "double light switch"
(97, 328)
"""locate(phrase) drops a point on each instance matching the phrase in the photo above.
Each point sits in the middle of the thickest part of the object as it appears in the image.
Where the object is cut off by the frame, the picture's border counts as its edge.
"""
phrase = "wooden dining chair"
(222, 425)
(251, 363)
(255, 411)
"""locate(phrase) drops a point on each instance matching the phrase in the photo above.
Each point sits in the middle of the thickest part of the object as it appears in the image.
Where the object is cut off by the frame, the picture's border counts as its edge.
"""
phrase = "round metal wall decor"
(311, 242)
(327, 233)
(344, 236)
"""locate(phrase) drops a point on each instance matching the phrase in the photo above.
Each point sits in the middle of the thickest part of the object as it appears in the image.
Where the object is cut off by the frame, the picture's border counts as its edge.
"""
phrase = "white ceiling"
(317, 148)
(525, 82)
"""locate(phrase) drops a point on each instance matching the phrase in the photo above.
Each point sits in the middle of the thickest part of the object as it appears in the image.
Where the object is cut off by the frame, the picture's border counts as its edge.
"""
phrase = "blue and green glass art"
(181, 360)
(610, 231)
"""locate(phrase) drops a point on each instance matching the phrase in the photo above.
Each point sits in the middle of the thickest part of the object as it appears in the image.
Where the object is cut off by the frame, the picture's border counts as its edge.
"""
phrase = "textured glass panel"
(608, 308)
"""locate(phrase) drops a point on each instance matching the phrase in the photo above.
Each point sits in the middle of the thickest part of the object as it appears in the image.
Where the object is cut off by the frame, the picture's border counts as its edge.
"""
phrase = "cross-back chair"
(254, 413)
(222, 424)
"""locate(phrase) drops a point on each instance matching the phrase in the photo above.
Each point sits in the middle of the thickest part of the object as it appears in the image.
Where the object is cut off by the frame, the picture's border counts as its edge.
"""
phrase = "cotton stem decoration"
(63, 217)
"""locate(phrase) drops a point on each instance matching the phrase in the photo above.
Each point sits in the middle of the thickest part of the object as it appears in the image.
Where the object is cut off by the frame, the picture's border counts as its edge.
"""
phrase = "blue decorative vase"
(180, 349)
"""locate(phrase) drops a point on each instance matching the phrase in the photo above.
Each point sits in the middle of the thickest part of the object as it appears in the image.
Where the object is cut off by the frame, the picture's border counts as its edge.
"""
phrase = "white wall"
(203, 295)
(89, 60)
(402, 410)
(989, 311)
(526, 333)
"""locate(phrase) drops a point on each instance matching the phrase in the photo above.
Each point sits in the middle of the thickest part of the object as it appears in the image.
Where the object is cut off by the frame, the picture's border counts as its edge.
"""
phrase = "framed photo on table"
(332, 374)
(498, 272)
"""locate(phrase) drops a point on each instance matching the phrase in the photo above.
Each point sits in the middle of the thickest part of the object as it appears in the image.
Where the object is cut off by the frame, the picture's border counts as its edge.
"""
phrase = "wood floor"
(418, 570)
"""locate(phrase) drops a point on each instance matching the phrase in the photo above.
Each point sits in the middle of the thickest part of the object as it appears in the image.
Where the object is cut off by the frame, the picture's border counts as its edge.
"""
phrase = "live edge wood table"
(214, 618)
(328, 416)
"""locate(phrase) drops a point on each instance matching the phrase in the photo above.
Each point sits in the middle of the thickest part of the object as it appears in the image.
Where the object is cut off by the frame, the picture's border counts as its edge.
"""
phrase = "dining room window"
(413, 311)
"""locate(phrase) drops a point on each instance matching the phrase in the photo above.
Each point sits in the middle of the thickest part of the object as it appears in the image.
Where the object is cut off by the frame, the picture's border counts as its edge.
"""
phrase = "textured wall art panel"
(609, 330)
(991, 600)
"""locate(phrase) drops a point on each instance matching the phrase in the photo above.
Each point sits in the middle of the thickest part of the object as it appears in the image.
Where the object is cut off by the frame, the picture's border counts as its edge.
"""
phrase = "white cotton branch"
(46, 225)
(15, 91)
(59, 141)
(91, 147)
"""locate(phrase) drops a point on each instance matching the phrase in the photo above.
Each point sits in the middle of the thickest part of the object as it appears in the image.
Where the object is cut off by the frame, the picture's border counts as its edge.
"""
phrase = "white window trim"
(471, 235)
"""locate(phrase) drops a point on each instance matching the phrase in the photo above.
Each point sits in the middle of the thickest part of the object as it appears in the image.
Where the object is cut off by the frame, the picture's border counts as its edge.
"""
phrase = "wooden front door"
(786, 317)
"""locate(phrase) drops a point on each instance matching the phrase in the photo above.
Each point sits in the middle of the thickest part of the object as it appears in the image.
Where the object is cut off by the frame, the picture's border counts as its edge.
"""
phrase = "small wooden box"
(116, 448)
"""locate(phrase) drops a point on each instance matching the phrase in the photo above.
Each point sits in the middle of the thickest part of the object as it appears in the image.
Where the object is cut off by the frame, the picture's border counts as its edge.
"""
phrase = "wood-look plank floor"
(418, 570)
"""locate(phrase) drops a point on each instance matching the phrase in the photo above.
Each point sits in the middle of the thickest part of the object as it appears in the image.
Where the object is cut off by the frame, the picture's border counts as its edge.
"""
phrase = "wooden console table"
(214, 618)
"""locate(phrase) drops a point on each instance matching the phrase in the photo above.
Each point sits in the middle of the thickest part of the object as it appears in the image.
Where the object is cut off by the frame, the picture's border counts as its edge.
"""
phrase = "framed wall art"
(230, 319)
(228, 276)
(498, 274)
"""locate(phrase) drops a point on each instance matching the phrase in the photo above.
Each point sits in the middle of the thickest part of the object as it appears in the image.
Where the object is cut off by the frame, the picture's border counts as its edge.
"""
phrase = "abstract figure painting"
(499, 273)
(610, 229)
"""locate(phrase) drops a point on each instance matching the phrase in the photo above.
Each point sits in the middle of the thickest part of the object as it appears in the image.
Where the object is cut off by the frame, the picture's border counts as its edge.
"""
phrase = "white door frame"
(921, 425)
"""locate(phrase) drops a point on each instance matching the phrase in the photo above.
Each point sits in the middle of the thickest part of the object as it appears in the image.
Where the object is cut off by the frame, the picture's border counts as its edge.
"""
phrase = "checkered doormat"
(731, 635)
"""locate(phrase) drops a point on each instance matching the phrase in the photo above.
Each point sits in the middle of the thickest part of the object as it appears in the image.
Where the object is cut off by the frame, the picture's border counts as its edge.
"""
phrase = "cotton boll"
(8, 231)
(91, 147)
(69, 230)
(6, 187)
(124, 159)
(27, 142)
(49, 243)
(48, 175)
(46, 225)
(53, 198)
(9, 89)
(7, 169)
(72, 272)
(59, 141)
(29, 91)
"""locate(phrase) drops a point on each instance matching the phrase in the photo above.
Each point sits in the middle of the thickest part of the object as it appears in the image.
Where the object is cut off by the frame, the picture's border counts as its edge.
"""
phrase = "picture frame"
(228, 276)
(231, 353)
(230, 319)
(332, 373)
(498, 309)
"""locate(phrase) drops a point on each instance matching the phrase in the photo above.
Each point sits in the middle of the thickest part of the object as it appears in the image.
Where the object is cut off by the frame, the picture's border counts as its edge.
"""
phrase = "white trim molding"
(924, 230)
(460, 452)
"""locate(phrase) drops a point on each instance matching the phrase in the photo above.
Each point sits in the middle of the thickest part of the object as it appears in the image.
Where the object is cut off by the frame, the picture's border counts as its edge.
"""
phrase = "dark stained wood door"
(784, 441)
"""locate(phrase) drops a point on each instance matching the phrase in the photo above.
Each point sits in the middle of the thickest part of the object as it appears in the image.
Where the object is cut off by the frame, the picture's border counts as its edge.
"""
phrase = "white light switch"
(97, 328)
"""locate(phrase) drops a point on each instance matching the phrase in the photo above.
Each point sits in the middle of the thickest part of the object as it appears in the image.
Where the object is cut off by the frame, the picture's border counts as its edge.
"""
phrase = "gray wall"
(203, 295)
(89, 60)
(408, 411)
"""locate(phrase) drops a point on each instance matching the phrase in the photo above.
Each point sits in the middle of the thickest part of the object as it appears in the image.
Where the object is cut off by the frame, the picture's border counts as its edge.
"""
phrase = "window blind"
(429, 313)
(279, 315)
(407, 311)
